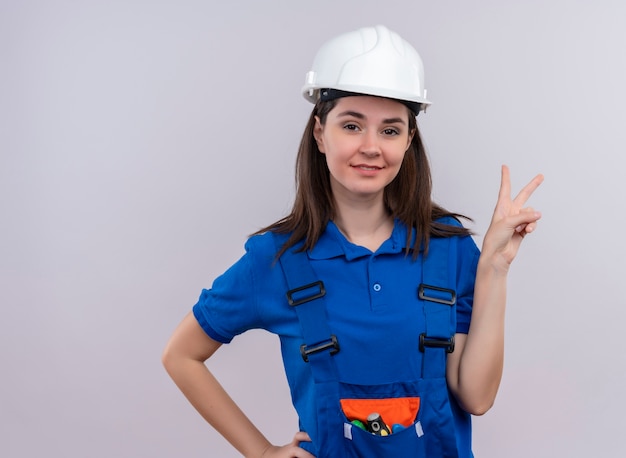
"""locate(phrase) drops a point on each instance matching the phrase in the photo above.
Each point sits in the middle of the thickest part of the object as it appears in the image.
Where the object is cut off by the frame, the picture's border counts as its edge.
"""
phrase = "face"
(364, 140)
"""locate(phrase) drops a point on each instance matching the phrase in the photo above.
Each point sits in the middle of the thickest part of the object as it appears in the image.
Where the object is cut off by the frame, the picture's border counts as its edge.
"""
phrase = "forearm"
(209, 398)
(475, 367)
(482, 358)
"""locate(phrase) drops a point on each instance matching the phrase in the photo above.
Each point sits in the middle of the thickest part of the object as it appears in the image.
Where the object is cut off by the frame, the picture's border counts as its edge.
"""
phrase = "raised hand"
(511, 221)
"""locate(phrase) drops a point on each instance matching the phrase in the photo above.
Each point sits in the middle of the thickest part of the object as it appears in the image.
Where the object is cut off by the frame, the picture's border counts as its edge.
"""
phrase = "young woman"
(390, 319)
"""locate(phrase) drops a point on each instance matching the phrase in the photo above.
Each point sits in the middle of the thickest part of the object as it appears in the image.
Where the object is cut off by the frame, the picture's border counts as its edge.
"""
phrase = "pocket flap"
(392, 410)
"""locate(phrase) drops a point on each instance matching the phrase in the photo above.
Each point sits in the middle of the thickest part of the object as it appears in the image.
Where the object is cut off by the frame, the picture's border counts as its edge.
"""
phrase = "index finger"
(505, 184)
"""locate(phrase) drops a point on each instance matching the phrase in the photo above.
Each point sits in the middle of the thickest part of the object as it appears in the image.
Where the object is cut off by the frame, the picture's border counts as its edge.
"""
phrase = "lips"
(367, 167)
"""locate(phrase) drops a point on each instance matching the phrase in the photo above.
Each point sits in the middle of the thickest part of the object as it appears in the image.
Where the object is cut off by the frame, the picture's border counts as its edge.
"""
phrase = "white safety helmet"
(370, 61)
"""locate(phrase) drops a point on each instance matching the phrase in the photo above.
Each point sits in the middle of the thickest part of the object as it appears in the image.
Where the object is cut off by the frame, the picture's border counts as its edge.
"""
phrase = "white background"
(141, 141)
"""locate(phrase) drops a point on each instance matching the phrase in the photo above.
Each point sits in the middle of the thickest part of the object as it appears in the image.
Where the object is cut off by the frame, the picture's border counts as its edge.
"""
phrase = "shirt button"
(377, 287)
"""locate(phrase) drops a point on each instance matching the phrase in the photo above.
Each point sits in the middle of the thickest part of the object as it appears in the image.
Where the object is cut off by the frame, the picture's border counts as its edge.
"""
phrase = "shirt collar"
(333, 243)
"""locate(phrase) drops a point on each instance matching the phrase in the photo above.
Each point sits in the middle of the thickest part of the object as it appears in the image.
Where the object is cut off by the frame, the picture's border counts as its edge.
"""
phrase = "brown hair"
(407, 197)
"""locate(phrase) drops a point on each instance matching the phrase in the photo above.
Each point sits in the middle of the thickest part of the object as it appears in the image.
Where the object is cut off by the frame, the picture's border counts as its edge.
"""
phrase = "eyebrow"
(358, 115)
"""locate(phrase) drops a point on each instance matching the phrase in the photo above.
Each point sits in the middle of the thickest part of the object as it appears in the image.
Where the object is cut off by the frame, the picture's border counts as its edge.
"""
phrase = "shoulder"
(266, 246)
(449, 221)
(461, 236)
(263, 244)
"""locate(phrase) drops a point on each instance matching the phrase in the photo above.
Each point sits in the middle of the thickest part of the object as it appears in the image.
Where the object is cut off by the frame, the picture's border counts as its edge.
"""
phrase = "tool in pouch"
(427, 426)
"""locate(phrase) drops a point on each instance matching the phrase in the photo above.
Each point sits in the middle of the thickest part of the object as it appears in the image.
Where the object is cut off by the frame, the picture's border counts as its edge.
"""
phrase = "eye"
(391, 131)
(351, 127)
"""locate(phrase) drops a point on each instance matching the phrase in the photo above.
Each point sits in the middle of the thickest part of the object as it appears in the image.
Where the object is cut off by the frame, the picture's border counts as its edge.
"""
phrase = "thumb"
(524, 218)
(301, 436)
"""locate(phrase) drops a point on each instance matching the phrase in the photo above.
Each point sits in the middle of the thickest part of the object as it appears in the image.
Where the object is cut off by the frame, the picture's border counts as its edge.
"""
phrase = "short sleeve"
(468, 254)
(228, 308)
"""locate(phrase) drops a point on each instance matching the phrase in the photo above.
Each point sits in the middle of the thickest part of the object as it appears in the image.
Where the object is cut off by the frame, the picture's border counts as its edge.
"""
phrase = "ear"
(317, 134)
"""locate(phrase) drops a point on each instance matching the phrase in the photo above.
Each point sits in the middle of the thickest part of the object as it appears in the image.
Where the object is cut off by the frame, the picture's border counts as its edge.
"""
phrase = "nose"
(369, 144)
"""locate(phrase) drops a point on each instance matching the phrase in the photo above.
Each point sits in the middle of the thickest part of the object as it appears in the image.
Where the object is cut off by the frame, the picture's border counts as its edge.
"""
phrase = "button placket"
(376, 285)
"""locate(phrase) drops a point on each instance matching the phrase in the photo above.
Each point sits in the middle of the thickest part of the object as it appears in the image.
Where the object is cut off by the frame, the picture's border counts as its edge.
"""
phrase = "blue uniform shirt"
(371, 300)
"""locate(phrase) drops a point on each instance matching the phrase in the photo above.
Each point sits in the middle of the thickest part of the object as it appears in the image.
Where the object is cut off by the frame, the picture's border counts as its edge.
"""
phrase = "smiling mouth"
(367, 167)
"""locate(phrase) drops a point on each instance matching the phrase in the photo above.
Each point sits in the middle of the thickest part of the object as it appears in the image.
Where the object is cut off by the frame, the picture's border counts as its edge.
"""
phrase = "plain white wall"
(141, 141)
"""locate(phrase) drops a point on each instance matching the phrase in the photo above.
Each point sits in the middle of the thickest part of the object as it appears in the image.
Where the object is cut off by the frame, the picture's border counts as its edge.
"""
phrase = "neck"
(365, 223)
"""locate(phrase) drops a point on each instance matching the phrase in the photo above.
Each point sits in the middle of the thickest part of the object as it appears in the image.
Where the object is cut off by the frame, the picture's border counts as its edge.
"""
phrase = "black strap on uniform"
(437, 290)
(307, 295)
